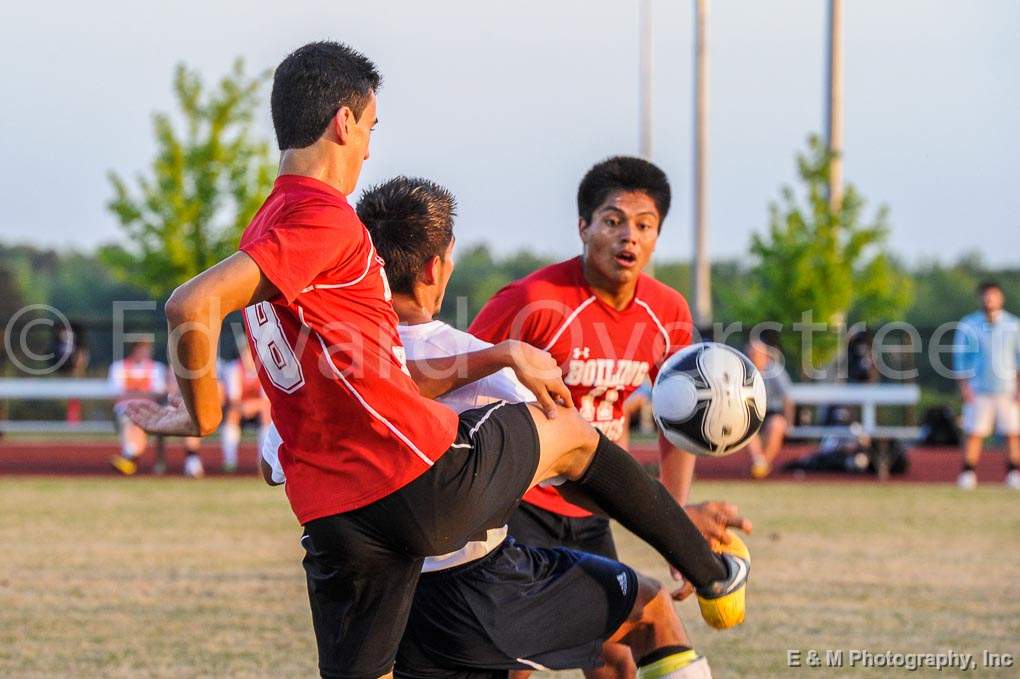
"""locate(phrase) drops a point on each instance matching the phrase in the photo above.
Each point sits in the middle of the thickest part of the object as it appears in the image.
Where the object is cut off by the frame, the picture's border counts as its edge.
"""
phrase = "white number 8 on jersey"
(275, 353)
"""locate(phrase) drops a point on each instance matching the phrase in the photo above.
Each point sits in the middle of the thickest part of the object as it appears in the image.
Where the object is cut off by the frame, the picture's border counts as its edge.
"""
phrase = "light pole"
(701, 271)
(645, 79)
(834, 103)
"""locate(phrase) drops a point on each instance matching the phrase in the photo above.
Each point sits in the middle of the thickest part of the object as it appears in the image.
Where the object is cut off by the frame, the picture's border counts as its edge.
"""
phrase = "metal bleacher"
(56, 389)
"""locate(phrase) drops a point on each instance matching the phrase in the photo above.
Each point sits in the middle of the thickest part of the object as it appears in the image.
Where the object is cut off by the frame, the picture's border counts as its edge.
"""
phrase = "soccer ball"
(708, 399)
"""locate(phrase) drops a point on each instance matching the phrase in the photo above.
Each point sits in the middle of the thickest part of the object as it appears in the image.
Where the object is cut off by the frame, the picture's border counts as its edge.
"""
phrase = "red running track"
(69, 458)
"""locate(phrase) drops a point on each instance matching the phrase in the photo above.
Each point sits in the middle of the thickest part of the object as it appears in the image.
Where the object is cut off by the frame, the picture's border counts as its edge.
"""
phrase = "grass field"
(170, 578)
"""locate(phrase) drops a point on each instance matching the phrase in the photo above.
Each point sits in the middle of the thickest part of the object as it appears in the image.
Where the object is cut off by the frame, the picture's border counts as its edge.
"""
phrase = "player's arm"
(964, 353)
(195, 313)
(1017, 340)
(442, 374)
(676, 467)
(676, 470)
(537, 370)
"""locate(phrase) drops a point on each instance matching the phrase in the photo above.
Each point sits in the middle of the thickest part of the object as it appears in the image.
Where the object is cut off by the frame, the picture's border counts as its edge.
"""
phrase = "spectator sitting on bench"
(766, 444)
(137, 375)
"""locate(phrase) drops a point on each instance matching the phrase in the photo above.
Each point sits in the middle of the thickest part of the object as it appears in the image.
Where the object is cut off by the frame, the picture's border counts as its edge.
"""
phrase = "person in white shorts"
(986, 359)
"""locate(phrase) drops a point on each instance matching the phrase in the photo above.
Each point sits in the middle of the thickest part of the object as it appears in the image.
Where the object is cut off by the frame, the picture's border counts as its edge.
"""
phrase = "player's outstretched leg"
(657, 639)
(602, 471)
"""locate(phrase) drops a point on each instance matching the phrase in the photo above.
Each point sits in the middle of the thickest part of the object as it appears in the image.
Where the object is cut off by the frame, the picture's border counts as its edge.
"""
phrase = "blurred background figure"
(766, 444)
(192, 461)
(245, 402)
(986, 357)
(637, 411)
(70, 359)
(138, 375)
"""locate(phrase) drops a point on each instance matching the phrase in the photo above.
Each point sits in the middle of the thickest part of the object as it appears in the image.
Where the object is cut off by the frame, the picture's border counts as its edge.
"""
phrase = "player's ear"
(430, 272)
(582, 229)
(342, 123)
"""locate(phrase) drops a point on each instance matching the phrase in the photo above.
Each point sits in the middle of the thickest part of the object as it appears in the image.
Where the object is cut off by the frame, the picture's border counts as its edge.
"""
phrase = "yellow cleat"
(723, 602)
(124, 465)
(760, 469)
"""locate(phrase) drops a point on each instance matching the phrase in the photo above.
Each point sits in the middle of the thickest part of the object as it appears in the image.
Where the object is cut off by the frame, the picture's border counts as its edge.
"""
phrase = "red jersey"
(605, 354)
(354, 426)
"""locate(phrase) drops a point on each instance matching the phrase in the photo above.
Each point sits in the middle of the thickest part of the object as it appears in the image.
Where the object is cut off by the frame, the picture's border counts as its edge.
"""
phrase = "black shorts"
(537, 527)
(362, 566)
(517, 608)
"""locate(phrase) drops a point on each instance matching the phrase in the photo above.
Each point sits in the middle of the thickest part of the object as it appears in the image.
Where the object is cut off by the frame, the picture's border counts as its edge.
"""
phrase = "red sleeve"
(310, 240)
(523, 310)
(498, 321)
(679, 328)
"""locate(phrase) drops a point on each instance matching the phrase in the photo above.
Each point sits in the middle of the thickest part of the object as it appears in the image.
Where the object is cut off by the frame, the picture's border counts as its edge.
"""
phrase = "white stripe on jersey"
(323, 286)
(566, 323)
(662, 329)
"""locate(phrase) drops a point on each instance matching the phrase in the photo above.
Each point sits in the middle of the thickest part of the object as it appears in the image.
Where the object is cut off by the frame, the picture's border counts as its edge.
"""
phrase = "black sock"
(619, 485)
(660, 653)
(1010, 466)
(967, 467)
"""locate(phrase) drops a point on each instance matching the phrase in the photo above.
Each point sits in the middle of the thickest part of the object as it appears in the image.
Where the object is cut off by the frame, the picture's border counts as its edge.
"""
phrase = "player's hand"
(713, 518)
(172, 419)
(967, 392)
(538, 371)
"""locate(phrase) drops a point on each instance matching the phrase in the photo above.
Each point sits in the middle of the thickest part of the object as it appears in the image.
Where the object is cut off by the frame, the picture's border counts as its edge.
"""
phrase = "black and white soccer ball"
(708, 399)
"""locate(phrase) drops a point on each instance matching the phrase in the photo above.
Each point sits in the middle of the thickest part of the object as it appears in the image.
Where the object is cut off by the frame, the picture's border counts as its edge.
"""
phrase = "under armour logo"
(622, 579)
(580, 353)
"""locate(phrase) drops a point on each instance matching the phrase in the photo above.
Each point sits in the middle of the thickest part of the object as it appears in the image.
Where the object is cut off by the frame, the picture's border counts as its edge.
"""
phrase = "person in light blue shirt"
(766, 444)
(986, 359)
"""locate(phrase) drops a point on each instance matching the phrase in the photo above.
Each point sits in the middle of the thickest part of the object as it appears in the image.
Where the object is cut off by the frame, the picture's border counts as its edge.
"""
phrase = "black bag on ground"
(939, 427)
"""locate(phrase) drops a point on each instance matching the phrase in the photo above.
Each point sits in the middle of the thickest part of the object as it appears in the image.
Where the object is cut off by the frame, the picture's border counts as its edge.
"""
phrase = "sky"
(508, 104)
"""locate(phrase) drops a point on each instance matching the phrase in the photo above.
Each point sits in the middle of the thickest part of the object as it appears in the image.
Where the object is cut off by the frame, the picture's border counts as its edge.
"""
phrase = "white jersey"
(436, 339)
(137, 377)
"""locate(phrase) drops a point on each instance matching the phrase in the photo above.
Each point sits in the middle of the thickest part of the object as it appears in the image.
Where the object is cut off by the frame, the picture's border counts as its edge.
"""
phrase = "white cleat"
(1013, 479)
(193, 467)
(967, 480)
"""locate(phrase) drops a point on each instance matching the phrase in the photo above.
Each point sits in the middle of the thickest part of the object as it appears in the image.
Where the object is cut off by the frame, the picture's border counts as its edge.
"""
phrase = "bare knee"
(648, 597)
(567, 442)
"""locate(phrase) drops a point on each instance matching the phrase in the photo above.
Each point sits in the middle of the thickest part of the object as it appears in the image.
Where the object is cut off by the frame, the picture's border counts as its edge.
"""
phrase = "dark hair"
(622, 173)
(312, 84)
(411, 221)
(985, 286)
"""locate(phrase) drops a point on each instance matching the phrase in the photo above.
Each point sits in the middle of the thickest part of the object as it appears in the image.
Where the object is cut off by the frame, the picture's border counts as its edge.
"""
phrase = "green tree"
(205, 183)
(479, 276)
(824, 262)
